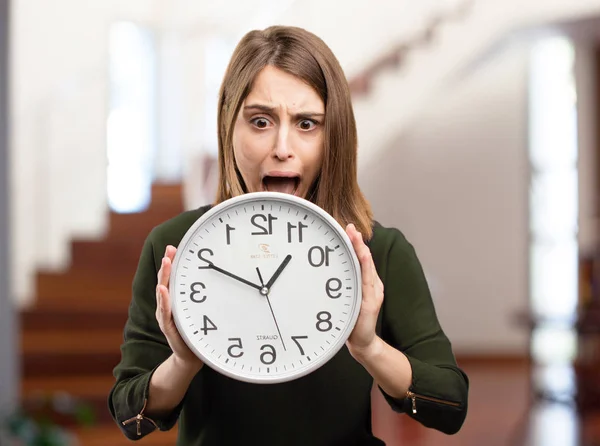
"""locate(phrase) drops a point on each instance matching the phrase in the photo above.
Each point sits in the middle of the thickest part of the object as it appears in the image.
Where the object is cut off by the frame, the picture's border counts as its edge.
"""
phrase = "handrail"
(361, 84)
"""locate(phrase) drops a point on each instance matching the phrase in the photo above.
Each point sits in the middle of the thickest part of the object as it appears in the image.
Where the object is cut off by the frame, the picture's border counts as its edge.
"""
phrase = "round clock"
(265, 287)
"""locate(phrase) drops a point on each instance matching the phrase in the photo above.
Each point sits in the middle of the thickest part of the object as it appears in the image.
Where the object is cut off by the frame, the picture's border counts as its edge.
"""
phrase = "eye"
(307, 124)
(260, 123)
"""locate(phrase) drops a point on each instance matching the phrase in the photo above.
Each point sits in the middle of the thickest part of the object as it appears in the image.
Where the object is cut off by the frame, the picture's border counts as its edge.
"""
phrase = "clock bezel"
(286, 199)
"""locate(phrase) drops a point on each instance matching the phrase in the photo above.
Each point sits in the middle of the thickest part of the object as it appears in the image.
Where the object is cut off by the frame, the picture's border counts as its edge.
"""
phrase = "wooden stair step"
(46, 364)
(167, 208)
(40, 319)
(111, 435)
(118, 302)
(151, 216)
(136, 226)
(111, 254)
(85, 387)
(99, 285)
(163, 194)
(53, 353)
(71, 341)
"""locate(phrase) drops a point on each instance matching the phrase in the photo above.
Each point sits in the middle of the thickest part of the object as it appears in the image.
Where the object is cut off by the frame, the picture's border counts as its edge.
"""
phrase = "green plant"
(43, 421)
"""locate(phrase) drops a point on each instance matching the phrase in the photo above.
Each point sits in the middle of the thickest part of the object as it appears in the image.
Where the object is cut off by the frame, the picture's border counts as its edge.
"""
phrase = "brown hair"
(304, 55)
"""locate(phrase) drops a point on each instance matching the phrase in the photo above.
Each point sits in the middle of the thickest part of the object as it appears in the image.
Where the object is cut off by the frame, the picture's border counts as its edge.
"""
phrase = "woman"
(286, 124)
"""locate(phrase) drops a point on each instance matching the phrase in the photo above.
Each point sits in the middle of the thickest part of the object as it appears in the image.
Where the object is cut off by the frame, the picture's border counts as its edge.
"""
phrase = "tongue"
(280, 184)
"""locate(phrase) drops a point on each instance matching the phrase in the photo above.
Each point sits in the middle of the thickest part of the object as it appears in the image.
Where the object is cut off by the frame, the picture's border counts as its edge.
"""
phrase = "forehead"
(276, 88)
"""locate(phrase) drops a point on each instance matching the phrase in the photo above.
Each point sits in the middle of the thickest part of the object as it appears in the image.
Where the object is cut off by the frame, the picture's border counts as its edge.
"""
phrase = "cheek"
(313, 158)
(248, 152)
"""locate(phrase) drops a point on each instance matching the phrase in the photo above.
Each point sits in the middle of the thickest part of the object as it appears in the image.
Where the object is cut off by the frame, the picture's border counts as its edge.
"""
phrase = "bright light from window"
(131, 136)
(553, 199)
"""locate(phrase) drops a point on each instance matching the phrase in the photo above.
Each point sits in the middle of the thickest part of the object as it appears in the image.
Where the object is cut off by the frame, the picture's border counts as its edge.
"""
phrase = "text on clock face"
(266, 337)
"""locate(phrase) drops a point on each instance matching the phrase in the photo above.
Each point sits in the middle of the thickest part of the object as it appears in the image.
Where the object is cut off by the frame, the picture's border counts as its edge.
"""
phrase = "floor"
(499, 415)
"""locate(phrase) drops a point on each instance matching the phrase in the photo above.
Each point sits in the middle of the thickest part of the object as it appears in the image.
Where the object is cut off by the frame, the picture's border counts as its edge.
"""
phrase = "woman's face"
(278, 134)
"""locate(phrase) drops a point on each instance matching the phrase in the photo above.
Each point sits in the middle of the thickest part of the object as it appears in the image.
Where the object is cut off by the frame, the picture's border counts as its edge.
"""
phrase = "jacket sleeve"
(438, 395)
(143, 350)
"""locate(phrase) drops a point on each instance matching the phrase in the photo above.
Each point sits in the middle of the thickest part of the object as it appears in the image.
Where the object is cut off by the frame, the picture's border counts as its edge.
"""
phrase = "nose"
(283, 147)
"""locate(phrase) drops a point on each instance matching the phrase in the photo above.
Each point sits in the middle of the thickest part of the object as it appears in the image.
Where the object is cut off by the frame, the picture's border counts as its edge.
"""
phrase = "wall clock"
(265, 287)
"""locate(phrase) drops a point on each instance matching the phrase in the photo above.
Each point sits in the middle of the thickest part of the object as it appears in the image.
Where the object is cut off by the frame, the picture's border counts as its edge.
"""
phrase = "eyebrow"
(267, 109)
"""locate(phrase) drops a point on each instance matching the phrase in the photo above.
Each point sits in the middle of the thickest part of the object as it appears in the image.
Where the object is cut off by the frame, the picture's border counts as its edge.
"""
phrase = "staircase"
(402, 82)
(70, 340)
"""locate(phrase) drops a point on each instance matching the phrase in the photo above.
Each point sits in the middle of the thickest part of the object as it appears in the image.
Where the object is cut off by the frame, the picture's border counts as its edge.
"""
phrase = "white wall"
(456, 183)
(59, 96)
(456, 45)
(360, 31)
(59, 101)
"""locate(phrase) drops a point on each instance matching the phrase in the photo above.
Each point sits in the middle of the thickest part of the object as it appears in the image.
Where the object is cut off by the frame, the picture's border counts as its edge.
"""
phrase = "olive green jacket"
(328, 407)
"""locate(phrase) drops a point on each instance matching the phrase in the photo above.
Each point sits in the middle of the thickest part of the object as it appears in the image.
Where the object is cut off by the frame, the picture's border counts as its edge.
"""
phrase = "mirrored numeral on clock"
(228, 230)
(237, 344)
(324, 321)
(196, 289)
(209, 262)
(268, 354)
(332, 286)
(267, 219)
(207, 325)
(291, 226)
(295, 339)
(318, 256)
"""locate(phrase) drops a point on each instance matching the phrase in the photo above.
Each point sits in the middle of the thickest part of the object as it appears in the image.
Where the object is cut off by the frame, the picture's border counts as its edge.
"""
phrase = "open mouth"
(284, 184)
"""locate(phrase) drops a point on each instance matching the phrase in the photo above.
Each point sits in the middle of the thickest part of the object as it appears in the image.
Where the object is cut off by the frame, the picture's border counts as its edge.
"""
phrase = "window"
(131, 135)
(553, 233)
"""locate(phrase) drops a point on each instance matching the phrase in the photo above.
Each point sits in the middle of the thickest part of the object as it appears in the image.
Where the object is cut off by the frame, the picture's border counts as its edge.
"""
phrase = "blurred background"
(478, 138)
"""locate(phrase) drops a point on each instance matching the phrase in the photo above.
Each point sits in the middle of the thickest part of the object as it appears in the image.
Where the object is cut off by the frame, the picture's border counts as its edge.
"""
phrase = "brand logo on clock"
(265, 252)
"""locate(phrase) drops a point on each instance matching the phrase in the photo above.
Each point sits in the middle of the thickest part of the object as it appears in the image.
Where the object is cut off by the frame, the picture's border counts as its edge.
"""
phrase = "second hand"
(271, 308)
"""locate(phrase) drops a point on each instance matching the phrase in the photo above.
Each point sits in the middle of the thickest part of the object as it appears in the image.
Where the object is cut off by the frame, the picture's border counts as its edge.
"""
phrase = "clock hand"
(227, 273)
(265, 292)
(279, 271)
(260, 277)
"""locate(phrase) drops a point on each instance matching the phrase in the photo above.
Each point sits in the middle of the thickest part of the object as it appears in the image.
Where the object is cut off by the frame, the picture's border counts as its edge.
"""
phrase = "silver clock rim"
(250, 197)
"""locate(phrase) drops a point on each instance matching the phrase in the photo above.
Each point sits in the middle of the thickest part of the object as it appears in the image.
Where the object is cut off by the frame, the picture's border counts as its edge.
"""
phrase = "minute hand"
(227, 273)
(279, 271)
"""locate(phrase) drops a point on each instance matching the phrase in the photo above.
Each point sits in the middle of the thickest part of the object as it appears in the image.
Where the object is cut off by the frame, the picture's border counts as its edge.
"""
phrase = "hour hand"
(227, 273)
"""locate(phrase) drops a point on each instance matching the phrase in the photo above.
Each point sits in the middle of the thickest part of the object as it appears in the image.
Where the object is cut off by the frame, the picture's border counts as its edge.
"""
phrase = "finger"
(165, 300)
(162, 281)
(164, 273)
(170, 252)
(158, 305)
(163, 312)
(364, 255)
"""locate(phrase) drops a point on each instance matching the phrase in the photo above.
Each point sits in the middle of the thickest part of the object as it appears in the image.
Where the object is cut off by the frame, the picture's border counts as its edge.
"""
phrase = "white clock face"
(265, 287)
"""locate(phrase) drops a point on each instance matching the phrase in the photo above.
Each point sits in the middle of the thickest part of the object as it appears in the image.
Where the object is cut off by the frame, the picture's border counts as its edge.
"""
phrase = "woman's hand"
(164, 316)
(363, 341)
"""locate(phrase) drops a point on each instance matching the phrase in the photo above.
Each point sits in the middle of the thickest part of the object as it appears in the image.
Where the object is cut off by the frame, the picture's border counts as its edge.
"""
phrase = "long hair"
(305, 56)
